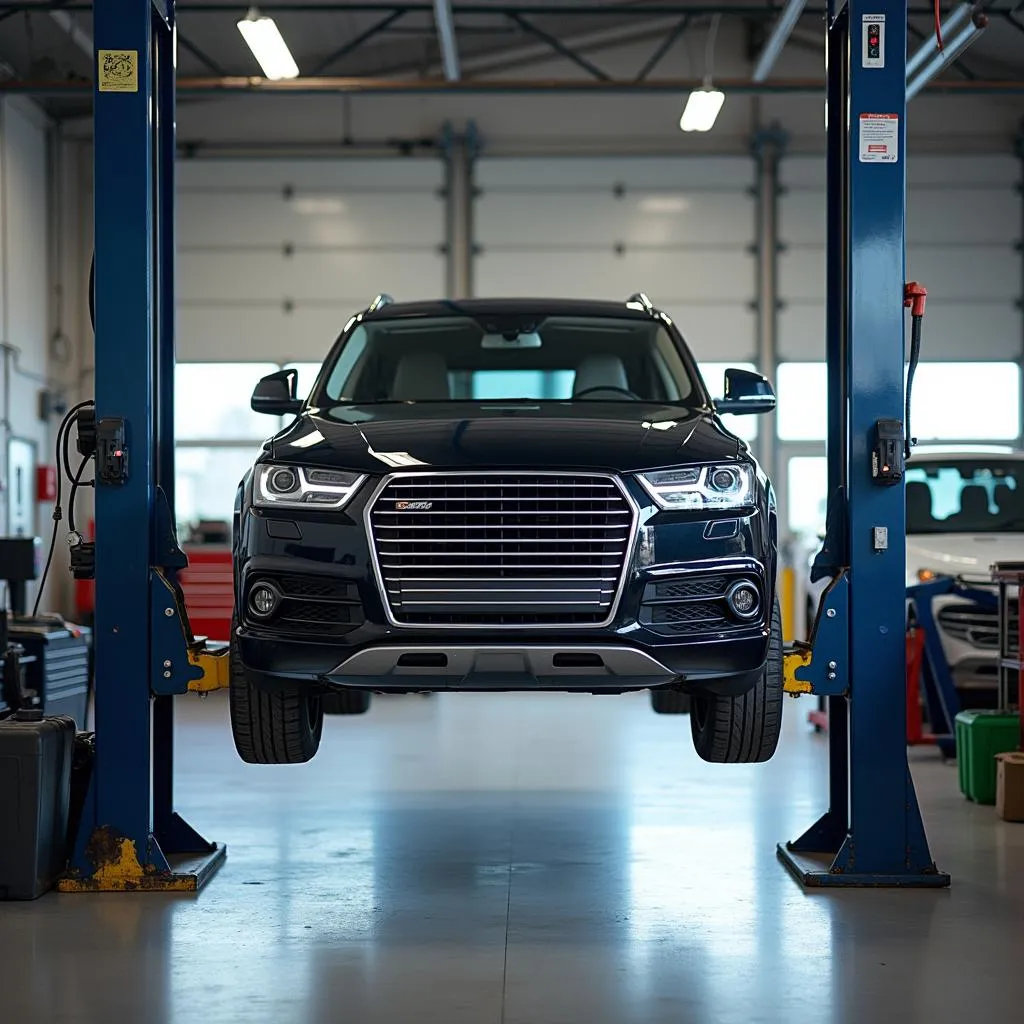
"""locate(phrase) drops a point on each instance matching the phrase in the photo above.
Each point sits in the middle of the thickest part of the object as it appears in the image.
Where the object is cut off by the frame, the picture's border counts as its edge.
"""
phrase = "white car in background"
(965, 511)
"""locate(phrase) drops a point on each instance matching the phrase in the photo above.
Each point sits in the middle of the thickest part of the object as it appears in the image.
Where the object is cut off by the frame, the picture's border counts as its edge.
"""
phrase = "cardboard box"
(1010, 786)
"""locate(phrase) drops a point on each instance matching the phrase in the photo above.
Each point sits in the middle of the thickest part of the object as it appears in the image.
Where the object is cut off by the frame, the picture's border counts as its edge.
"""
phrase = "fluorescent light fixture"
(701, 110)
(268, 46)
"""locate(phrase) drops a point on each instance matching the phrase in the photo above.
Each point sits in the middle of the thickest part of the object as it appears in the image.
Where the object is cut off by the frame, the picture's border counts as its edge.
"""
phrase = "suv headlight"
(701, 487)
(296, 487)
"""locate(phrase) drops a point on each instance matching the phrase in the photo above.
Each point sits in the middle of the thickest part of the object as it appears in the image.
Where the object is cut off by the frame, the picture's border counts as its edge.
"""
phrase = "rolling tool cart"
(982, 736)
(54, 655)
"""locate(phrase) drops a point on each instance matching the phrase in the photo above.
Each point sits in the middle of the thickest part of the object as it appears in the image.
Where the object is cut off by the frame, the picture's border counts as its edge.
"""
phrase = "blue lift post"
(130, 838)
(872, 833)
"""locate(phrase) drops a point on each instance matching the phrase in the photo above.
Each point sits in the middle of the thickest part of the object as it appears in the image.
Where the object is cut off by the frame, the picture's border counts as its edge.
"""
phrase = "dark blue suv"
(507, 495)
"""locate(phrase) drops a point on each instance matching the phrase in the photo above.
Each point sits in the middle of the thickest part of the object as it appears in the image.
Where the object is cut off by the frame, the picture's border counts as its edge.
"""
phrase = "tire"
(346, 702)
(273, 728)
(667, 701)
(743, 729)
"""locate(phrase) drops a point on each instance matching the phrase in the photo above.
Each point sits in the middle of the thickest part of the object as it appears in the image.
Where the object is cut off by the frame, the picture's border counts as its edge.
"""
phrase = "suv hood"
(967, 554)
(622, 437)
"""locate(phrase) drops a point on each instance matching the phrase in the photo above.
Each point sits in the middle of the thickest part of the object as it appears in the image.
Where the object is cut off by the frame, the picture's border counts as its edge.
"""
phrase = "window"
(458, 358)
(803, 402)
(965, 494)
(966, 402)
(211, 401)
(217, 434)
(807, 494)
(714, 378)
(206, 480)
(307, 376)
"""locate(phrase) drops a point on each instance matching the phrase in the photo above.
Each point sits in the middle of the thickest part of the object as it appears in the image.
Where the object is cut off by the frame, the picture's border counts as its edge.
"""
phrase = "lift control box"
(888, 451)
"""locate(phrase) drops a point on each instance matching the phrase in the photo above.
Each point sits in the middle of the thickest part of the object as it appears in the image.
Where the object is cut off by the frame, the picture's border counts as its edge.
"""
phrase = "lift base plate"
(814, 871)
(189, 872)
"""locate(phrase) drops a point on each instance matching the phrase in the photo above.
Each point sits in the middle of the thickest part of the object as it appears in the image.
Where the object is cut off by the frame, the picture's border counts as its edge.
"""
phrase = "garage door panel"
(802, 274)
(952, 332)
(802, 217)
(505, 219)
(262, 276)
(209, 219)
(716, 333)
(731, 174)
(959, 215)
(255, 333)
(969, 273)
(707, 277)
(273, 176)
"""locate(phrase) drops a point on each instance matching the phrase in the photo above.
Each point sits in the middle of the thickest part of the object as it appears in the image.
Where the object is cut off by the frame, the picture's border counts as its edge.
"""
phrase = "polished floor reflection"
(463, 859)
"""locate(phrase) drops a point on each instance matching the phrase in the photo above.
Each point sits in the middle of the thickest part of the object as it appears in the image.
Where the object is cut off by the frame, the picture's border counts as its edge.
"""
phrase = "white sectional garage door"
(274, 256)
(963, 223)
(679, 229)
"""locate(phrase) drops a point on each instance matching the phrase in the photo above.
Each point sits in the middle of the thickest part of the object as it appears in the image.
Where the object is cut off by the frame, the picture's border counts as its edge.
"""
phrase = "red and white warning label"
(879, 138)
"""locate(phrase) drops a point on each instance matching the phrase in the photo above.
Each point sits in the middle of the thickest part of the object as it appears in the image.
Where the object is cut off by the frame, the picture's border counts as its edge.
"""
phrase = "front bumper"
(361, 646)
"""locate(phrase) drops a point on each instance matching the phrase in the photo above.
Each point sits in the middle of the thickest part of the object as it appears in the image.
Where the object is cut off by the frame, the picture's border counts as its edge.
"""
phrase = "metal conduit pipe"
(792, 13)
(930, 47)
(967, 36)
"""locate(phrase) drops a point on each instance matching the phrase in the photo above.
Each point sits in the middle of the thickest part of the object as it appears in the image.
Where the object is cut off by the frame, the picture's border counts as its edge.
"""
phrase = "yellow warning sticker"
(118, 71)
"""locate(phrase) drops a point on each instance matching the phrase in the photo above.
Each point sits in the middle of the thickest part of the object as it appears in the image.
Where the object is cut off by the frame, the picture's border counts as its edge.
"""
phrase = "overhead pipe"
(930, 47)
(327, 85)
(949, 53)
(791, 14)
(445, 24)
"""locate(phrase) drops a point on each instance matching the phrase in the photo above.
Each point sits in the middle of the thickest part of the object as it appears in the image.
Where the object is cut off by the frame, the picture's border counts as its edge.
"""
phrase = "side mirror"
(276, 394)
(745, 393)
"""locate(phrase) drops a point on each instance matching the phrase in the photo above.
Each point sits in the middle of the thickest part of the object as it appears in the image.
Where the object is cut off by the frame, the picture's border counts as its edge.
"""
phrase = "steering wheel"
(607, 387)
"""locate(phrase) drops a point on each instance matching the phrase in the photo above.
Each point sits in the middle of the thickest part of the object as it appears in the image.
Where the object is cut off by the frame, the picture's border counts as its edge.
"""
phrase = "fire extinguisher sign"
(879, 138)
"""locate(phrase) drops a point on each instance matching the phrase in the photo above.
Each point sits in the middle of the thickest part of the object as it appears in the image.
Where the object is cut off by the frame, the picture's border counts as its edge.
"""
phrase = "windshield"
(559, 358)
(965, 495)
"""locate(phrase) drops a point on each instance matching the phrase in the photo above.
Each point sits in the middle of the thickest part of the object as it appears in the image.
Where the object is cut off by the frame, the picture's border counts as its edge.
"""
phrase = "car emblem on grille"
(413, 506)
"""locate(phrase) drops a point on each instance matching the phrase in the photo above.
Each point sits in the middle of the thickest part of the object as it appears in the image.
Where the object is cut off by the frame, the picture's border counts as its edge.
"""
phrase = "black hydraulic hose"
(915, 357)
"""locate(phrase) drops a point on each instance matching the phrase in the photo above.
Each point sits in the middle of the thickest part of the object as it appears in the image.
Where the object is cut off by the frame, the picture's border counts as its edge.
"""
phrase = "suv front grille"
(975, 624)
(505, 549)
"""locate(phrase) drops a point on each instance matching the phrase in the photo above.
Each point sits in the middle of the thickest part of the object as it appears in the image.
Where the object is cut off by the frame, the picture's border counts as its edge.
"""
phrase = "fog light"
(744, 600)
(262, 600)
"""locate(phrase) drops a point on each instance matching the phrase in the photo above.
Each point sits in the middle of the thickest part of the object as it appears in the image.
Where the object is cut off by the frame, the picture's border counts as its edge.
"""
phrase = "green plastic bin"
(980, 735)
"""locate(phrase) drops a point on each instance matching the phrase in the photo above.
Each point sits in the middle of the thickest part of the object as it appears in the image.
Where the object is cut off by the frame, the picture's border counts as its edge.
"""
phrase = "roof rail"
(382, 300)
(639, 299)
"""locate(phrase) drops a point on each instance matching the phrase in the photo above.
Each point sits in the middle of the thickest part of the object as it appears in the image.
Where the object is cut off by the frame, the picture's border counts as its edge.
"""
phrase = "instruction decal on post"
(118, 70)
(879, 138)
(872, 41)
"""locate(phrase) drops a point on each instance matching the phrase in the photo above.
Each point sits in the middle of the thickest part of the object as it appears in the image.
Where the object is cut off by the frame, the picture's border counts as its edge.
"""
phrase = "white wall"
(26, 324)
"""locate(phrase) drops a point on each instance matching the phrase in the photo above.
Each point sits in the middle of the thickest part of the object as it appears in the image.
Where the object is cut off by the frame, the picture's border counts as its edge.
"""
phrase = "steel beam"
(767, 148)
(460, 152)
(444, 22)
(303, 86)
(662, 49)
(791, 14)
(354, 43)
(558, 46)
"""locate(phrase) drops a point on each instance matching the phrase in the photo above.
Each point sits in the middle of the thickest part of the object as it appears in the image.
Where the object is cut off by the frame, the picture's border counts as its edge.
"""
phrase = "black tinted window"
(560, 358)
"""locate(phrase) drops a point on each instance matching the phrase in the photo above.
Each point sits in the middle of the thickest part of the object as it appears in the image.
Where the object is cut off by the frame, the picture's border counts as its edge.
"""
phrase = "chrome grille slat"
(493, 544)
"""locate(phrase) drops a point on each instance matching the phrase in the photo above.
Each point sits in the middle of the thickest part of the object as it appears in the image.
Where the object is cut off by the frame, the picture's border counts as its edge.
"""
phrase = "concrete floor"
(531, 860)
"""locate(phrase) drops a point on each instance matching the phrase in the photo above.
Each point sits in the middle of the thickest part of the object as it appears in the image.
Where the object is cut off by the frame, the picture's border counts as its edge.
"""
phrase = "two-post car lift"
(130, 837)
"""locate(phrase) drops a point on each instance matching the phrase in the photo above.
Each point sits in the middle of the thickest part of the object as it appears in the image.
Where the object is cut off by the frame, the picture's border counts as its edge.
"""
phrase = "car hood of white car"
(966, 554)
